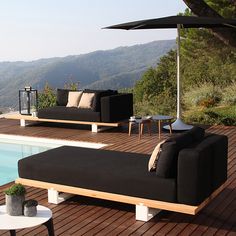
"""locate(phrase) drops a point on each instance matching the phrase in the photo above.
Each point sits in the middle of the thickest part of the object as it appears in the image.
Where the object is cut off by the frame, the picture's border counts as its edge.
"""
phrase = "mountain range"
(114, 69)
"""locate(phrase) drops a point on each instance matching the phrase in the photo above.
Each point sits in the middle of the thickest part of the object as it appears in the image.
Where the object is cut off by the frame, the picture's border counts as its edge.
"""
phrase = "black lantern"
(28, 101)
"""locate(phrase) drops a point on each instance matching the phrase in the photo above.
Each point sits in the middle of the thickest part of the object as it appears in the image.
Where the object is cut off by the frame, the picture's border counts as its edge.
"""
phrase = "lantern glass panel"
(33, 102)
(28, 101)
(23, 102)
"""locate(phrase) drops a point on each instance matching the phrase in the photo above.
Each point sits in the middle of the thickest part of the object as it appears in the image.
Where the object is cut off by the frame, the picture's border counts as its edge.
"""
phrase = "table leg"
(49, 225)
(149, 128)
(12, 232)
(170, 127)
(142, 125)
(159, 129)
(140, 130)
(130, 127)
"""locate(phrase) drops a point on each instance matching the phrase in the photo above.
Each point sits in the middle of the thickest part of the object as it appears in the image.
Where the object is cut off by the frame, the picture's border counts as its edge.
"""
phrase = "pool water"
(11, 152)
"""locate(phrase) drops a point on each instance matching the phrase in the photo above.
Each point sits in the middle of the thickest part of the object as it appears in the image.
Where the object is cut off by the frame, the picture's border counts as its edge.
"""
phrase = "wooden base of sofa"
(94, 125)
(182, 208)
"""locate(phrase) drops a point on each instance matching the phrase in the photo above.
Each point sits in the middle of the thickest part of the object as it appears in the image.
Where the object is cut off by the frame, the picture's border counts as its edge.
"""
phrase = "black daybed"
(107, 106)
(191, 170)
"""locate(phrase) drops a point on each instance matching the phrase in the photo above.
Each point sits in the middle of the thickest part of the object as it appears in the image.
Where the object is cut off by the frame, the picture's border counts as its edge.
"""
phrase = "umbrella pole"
(178, 124)
(178, 73)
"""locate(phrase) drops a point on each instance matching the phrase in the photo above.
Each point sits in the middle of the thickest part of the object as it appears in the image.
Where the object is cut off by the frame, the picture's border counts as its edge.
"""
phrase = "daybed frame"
(94, 125)
(145, 208)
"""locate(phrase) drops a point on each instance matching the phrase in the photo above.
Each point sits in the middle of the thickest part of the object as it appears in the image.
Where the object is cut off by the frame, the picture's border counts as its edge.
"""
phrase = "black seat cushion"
(102, 170)
(69, 113)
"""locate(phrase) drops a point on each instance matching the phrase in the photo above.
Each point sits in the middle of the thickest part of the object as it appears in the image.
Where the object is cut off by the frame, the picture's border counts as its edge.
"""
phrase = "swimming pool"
(14, 148)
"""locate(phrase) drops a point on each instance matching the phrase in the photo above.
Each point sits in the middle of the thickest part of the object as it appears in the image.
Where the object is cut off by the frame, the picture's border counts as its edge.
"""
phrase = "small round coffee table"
(141, 122)
(12, 223)
(159, 119)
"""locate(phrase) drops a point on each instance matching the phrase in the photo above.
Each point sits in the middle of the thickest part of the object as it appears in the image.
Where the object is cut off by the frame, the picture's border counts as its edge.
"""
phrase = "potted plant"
(30, 207)
(15, 197)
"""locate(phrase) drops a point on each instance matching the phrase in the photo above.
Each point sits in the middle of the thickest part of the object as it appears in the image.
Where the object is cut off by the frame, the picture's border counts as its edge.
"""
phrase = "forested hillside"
(208, 74)
(114, 69)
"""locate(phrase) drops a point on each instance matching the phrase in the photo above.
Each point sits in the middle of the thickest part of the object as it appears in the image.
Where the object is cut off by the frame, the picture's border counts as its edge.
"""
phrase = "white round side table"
(12, 223)
(141, 122)
(161, 118)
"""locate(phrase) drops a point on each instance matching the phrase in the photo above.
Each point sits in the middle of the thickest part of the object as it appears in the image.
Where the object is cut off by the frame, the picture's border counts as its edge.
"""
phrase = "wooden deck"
(86, 216)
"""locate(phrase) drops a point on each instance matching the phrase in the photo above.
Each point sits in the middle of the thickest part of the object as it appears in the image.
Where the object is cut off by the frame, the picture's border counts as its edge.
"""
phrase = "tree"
(156, 91)
(209, 9)
(205, 59)
(47, 97)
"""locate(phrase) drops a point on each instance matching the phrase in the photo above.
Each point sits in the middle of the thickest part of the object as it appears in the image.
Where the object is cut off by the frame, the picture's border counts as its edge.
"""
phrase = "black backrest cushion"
(62, 97)
(168, 158)
(98, 95)
(188, 138)
(167, 161)
(197, 133)
(183, 140)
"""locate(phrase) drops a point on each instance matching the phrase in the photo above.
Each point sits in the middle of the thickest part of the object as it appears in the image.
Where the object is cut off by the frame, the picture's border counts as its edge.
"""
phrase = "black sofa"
(190, 168)
(108, 106)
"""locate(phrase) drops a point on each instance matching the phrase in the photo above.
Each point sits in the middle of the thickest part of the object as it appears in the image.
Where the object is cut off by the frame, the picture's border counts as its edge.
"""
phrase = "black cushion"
(218, 145)
(97, 97)
(202, 169)
(69, 113)
(102, 170)
(182, 141)
(197, 133)
(62, 97)
(167, 161)
(194, 175)
(116, 107)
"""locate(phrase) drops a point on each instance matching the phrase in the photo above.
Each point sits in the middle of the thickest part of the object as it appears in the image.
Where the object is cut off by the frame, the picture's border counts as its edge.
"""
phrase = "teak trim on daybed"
(36, 119)
(177, 207)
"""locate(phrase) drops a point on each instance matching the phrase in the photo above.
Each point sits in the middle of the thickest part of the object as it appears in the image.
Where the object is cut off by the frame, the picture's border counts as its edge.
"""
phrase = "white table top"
(161, 117)
(154, 117)
(141, 119)
(8, 222)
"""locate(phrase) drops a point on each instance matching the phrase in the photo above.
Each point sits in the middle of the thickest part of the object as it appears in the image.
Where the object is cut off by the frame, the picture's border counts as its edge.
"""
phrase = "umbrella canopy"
(177, 22)
(173, 21)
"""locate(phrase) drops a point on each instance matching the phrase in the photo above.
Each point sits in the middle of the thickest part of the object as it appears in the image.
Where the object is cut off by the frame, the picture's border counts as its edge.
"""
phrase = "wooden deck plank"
(82, 215)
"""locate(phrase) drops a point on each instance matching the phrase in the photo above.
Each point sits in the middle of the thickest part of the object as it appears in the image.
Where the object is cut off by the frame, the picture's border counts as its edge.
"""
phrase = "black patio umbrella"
(177, 22)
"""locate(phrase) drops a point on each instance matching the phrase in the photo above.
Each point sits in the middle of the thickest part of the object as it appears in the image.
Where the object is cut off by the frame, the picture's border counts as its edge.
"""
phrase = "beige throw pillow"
(152, 164)
(74, 98)
(86, 100)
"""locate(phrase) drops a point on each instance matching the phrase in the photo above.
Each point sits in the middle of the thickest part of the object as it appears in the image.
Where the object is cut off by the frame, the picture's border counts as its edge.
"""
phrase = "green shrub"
(212, 116)
(16, 189)
(206, 95)
(229, 95)
(163, 103)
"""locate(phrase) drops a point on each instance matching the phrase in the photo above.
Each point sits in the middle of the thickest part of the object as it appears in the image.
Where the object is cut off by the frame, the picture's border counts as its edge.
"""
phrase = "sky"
(34, 29)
